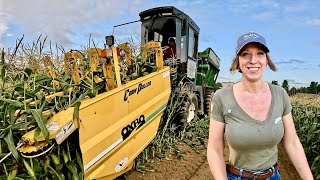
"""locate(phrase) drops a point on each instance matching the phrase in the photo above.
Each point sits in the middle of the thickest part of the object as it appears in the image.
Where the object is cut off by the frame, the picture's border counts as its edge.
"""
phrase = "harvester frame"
(113, 126)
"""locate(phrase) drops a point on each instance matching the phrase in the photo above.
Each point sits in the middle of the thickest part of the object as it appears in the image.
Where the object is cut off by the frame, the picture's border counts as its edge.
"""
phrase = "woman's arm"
(294, 148)
(215, 150)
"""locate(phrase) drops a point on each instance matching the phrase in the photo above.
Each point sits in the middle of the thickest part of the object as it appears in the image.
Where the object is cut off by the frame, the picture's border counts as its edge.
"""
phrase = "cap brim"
(266, 48)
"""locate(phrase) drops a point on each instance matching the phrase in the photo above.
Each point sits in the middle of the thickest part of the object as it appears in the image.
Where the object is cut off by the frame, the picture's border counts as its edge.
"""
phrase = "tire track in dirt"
(194, 166)
(176, 169)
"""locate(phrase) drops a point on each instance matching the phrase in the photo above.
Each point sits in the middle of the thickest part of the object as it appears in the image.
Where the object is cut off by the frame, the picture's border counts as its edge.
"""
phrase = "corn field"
(306, 114)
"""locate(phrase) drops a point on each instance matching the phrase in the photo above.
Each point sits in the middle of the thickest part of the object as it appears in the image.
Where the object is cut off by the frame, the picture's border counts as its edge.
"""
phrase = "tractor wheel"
(189, 110)
(208, 105)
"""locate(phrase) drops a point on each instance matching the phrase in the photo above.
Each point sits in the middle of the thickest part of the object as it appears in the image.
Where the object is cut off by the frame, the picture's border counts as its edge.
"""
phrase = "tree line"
(313, 88)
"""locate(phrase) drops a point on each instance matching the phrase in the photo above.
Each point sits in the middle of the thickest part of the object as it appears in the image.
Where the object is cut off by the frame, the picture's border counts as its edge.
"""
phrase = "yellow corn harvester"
(114, 126)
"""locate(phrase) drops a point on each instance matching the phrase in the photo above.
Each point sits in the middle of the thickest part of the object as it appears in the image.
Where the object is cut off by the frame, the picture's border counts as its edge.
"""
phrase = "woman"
(254, 116)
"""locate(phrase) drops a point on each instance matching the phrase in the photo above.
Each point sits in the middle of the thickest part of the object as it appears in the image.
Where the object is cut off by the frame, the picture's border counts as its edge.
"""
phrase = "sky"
(291, 28)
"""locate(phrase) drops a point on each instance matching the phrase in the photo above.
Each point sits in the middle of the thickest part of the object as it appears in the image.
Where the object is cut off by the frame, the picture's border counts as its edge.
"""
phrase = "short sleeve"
(217, 110)
(287, 107)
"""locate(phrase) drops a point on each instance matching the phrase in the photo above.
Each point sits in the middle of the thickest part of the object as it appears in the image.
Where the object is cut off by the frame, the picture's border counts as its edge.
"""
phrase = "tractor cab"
(177, 33)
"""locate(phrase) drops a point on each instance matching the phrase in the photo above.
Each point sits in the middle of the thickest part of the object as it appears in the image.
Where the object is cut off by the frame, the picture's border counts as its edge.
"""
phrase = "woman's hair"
(235, 64)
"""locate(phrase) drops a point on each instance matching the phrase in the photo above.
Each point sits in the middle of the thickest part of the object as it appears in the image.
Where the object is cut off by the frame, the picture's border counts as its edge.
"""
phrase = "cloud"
(3, 23)
(304, 66)
(3, 28)
(263, 16)
(62, 21)
(291, 61)
(297, 8)
(313, 22)
(291, 80)
(245, 6)
(9, 34)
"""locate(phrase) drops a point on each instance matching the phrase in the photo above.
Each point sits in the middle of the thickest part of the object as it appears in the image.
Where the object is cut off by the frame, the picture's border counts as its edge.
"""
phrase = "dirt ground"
(194, 166)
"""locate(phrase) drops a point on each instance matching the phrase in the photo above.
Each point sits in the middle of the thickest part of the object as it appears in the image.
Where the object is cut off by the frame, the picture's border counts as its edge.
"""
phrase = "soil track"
(194, 166)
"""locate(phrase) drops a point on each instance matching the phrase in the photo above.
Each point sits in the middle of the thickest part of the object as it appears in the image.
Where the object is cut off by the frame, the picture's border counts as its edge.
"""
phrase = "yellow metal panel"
(111, 135)
(143, 90)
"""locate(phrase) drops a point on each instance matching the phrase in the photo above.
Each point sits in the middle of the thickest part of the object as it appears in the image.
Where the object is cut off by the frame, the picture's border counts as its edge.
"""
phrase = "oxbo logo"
(134, 125)
(140, 87)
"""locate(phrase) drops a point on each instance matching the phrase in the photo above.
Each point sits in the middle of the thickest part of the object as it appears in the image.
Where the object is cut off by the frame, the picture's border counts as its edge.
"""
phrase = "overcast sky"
(290, 27)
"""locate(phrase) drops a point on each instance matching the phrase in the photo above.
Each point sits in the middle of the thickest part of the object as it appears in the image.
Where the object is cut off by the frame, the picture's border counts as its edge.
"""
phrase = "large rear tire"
(189, 110)
(208, 105)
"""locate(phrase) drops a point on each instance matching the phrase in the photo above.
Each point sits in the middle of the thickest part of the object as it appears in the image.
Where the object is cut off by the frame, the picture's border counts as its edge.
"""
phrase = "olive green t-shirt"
(252, 143)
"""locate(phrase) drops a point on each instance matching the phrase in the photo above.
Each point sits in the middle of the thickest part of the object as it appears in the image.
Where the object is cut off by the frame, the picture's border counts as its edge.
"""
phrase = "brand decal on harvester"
(134, 125)
(136, 90)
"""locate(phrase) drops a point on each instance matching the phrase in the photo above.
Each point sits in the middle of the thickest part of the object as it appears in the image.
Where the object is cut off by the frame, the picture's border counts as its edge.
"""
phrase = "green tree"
(293, 91)
(274, 82)
(302, 90)
(285, 85)
(313, 88)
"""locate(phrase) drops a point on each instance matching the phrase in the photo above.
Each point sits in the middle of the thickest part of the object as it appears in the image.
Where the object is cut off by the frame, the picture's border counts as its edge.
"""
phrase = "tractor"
(197, 70)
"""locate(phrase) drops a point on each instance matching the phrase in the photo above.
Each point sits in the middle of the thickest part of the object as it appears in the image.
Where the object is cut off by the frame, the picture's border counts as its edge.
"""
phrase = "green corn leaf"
(9, 140)
(74, 98)
(81, 175)
(53, 172)
(4, 132)
(72, 168)
(46, 164)
(12, 174)
(5, 169)
(19, 126)
(37, 166)
(37, 114)
(37, 90)
(59, 167)
(81, 97)
(43, 102)
(42, 79)
(36, 134)
(55, 159)
(12, 102)
(29, 169)
(62, 81)
(79, 160)
(65, 156)
(68, 150)
(3, 68)
(11, 111)
(76, 111)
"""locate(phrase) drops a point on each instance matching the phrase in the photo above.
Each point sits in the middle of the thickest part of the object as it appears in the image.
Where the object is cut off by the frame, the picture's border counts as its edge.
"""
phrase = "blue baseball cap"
(249, 38)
